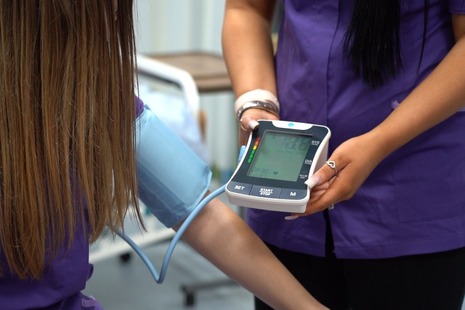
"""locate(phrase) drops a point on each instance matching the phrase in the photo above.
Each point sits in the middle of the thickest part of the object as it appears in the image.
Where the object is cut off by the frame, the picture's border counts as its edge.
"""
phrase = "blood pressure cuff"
(172, 179)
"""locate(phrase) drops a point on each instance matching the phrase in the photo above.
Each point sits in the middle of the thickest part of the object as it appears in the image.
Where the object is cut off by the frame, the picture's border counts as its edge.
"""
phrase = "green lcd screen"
(280, 156)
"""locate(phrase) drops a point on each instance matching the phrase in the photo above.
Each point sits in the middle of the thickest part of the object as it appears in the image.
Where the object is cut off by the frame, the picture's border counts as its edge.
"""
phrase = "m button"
(294, 194)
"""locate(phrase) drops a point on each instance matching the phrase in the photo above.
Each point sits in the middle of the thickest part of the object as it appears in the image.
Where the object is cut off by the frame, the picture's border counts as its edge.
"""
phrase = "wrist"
(259, 99)
(378, 144)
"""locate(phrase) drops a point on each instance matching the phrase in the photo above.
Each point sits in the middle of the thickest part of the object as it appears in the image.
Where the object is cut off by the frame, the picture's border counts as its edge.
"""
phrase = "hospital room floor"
(119, 285)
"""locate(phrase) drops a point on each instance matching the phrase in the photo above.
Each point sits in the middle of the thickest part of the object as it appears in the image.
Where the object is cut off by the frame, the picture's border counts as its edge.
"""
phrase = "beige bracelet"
(269, 102)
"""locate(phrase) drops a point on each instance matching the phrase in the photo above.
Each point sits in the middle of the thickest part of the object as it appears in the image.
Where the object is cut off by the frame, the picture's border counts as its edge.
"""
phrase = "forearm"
(438, 97)
(223, 238)
(247, 45)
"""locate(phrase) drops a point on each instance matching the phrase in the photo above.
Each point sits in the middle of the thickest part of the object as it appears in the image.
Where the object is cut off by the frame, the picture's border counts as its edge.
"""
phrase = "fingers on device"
(279, 158)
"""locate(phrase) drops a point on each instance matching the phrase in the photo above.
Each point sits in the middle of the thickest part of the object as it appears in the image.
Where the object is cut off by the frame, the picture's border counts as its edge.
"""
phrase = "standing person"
(385, 227)
(68, 160)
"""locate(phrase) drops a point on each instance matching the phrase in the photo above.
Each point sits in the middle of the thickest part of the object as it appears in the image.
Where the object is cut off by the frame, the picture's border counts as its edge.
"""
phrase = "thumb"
(248, 123)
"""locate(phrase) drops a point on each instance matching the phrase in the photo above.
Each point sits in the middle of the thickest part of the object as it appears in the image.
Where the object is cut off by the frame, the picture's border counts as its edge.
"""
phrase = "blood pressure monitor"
(279, 158)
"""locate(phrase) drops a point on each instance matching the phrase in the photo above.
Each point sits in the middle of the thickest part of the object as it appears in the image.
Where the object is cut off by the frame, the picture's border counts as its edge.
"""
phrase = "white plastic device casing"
(239, 187)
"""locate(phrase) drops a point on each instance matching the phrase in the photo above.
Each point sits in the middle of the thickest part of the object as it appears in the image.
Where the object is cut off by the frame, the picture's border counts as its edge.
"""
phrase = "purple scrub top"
(62, 282)
(414, 201)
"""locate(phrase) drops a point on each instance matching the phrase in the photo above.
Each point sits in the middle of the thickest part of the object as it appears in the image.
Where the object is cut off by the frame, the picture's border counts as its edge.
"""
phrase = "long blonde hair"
(66, 124)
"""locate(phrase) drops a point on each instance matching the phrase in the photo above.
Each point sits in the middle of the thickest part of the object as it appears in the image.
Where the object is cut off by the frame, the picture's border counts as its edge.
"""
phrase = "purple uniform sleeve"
(139, 106)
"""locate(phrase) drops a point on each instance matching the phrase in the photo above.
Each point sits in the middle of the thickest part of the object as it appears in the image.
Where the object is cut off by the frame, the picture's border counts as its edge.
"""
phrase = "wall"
(177, 25)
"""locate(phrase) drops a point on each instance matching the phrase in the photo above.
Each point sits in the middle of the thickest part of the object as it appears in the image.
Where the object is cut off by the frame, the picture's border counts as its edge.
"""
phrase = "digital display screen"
(280, 156)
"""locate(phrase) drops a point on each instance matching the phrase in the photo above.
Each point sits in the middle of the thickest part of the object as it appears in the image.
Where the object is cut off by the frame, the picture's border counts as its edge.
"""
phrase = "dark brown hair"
(372, 40)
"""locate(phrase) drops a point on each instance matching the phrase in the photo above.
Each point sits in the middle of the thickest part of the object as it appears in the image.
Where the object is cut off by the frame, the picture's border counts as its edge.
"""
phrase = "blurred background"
(167, 27)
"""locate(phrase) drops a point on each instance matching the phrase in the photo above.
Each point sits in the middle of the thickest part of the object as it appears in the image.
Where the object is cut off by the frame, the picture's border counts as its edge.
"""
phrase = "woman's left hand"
(353, 160)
